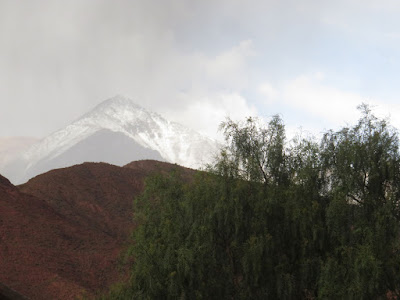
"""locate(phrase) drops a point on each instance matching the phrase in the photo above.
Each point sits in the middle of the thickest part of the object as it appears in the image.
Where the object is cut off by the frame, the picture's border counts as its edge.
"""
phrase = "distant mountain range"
(117, 131)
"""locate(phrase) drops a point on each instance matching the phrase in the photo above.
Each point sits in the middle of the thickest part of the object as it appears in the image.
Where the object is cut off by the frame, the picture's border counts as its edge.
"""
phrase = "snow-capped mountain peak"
(130, 130)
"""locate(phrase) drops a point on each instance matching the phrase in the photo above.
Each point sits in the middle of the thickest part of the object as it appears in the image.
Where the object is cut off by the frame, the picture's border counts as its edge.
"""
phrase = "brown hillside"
(92, 195)
(61, 233)
(8, 294)
(43, 255)
(97, 195)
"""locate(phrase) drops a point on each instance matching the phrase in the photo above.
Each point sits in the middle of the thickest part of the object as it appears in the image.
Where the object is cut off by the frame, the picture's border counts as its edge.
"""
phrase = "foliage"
(271, 221)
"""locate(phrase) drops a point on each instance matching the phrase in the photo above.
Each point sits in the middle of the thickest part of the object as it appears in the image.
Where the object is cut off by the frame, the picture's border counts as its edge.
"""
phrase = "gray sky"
(196, 62)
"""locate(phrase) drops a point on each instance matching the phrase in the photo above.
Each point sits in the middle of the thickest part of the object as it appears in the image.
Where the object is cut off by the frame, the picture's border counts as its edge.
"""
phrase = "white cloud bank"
(213, 92)
(316, 106)
(59, 59)
(206, 113)
(193, 61)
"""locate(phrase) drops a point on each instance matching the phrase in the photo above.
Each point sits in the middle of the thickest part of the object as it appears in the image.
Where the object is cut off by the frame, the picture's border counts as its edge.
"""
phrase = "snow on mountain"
(117, 131)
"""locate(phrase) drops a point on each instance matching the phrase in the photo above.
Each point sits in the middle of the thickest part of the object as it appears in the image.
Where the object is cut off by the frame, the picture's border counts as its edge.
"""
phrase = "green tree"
(361, 166)
(256, 152)
(272, 221)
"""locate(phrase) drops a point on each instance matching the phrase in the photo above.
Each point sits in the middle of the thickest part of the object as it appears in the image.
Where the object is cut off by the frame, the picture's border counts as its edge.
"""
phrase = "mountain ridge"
(134, 132)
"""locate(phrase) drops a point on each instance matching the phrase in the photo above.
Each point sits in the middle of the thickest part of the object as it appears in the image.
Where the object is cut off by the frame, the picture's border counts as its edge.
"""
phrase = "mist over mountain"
(117, 131)
(11, 147)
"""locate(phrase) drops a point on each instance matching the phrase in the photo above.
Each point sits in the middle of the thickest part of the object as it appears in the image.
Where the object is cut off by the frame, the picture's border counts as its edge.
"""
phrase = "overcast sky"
(196, 62)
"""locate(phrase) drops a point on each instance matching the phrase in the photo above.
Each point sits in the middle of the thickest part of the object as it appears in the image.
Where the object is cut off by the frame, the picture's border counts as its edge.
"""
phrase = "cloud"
(213, 90)
(205, 113)
(59, 59)
(310, 102)
(269, 92)
(228, 68)
(363, 19)
(311, 95)
(200, 73)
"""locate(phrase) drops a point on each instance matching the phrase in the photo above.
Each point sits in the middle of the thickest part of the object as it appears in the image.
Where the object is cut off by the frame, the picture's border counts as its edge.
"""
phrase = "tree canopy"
(275, 220)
